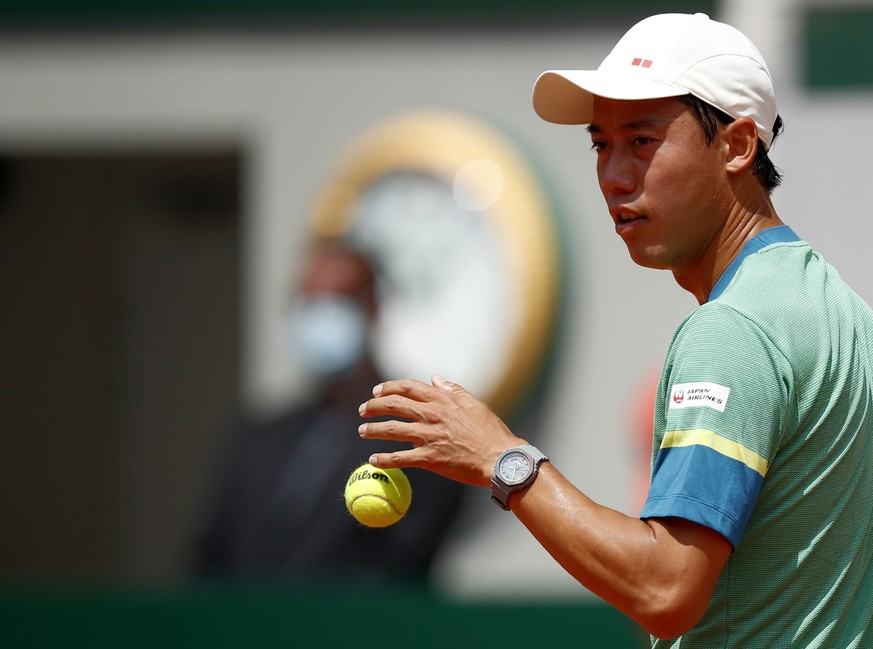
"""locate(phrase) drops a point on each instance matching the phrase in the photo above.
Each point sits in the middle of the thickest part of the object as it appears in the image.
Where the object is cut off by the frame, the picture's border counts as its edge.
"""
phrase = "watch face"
(466, 251)
(515, 467)
(444, 303)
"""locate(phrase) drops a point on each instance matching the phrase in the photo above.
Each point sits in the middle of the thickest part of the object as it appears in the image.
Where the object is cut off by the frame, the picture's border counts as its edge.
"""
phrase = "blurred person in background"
(280, 512)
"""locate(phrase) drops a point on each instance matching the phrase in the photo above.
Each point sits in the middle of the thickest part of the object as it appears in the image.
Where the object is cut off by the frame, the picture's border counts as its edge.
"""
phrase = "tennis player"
(758, 526)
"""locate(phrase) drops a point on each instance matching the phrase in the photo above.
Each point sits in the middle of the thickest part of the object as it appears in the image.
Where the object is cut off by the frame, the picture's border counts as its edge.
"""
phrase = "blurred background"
(163, 172)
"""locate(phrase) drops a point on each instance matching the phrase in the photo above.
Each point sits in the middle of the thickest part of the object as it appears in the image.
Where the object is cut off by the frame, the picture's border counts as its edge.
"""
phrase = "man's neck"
(740, 227)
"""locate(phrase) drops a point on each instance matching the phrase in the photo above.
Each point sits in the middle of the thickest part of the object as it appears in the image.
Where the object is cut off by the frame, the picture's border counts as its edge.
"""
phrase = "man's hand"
(452, 433)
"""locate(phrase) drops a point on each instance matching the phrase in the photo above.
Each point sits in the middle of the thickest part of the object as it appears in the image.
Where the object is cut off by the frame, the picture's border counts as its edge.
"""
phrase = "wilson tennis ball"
(378, 497)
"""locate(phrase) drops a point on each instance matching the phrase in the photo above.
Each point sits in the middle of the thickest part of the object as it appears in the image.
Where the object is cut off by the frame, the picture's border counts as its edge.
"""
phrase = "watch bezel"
(500, 488)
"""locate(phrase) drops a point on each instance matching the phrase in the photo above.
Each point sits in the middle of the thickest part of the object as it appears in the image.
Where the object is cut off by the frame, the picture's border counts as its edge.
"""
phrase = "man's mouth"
(626, 216)
(626, 220)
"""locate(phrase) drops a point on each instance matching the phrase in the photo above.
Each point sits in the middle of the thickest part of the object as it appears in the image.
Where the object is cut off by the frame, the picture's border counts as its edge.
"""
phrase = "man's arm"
(660, 572)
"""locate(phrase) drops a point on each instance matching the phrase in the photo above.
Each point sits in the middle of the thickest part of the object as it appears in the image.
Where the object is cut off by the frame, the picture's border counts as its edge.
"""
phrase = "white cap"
(668, 55)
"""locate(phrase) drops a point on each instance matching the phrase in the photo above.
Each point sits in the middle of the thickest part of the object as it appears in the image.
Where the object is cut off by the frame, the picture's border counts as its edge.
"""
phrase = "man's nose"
(616, 175)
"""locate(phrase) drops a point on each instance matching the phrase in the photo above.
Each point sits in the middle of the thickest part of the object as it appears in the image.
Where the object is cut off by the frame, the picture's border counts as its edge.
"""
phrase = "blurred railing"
(363, 616)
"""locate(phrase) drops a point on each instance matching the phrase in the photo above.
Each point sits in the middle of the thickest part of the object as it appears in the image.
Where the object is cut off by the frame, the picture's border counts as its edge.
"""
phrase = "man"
(279, 514)
(757, 527)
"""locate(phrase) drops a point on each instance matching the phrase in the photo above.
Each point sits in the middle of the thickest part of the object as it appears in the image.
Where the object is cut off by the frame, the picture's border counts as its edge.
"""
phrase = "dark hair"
(709, 117)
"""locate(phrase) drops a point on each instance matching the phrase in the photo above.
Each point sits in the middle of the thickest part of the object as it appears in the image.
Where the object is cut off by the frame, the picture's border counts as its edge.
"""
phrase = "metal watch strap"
(500, 491)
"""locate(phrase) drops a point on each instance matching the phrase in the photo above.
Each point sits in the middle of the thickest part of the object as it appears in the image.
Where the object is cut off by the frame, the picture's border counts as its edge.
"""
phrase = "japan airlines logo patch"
(699, 395)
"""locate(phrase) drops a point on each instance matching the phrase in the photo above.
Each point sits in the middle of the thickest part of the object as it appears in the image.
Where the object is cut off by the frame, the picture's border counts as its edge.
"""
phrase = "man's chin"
(649, 257)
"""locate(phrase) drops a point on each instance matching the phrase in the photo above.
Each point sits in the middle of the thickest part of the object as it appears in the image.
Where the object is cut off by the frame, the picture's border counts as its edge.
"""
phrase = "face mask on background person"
(328, 333)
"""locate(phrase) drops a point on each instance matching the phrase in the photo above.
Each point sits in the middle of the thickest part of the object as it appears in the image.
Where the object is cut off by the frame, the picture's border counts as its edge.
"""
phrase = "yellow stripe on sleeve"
(723, 445)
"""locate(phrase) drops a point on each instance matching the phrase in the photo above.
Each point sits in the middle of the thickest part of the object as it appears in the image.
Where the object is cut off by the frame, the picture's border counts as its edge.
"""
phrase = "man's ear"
(741, 142)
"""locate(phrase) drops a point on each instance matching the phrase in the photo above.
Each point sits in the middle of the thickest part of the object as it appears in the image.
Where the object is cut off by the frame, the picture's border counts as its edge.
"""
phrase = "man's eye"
(642, 141)
(598, 146)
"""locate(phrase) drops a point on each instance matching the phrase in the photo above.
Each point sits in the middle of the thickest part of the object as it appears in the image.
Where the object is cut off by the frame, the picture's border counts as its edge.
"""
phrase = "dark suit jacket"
(281, 511)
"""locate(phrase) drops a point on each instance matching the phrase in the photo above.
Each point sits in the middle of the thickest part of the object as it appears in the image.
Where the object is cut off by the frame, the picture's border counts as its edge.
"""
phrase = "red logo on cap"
(679, 396)
(645, 63)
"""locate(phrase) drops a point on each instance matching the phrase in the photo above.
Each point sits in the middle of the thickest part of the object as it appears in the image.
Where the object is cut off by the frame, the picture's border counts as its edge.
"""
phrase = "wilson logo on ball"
(367, 475)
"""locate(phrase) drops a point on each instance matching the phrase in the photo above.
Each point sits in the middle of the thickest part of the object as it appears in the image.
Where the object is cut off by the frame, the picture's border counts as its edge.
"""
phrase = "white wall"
(825, 151)
(295, 101)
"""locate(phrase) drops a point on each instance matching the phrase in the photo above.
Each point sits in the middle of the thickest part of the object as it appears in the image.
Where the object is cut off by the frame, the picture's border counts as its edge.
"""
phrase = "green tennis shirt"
(764, 433)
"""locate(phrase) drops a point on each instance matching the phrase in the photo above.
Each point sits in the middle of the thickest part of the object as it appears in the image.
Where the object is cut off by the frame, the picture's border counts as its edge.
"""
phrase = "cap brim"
(567, 96)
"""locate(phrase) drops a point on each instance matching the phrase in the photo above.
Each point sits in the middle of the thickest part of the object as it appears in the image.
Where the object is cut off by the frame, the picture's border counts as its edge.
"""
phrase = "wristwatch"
(515, 470)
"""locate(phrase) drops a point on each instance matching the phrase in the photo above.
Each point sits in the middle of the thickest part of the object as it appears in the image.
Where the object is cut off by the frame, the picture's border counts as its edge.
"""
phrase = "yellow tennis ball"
(378, 497)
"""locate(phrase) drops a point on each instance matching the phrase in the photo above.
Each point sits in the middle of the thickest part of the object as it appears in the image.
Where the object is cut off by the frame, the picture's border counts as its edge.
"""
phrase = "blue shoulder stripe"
(700, 483)
(676, 438)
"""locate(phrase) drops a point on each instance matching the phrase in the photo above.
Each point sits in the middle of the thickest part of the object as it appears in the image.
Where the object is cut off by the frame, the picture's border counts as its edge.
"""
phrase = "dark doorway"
(120, 285)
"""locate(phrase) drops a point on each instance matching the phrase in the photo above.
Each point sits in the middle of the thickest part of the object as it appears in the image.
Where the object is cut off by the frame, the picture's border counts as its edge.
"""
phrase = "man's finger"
(393, 405)
(397, 459)
(411, 388)
(401, 431)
